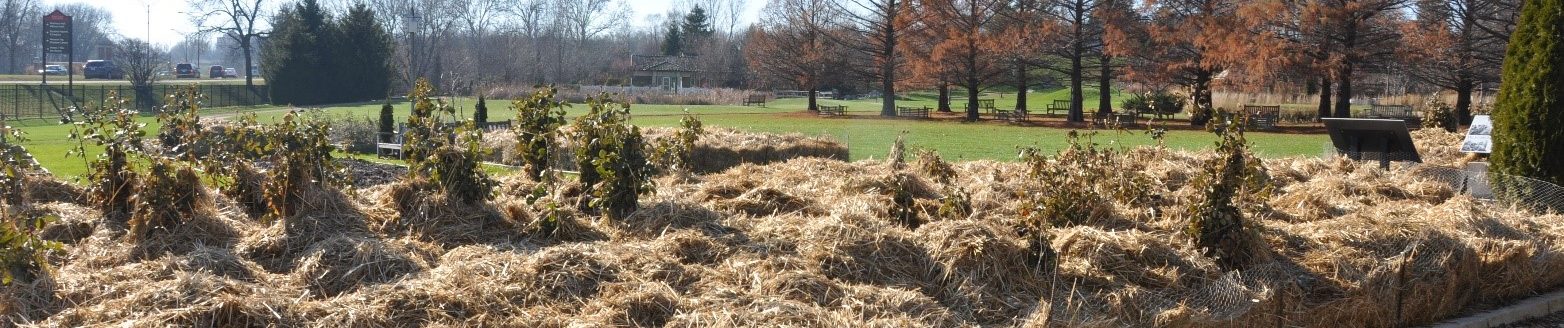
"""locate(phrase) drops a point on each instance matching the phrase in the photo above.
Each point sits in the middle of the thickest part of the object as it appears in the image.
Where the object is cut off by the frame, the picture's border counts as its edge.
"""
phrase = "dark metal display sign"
(1371, 139)
(57, 33)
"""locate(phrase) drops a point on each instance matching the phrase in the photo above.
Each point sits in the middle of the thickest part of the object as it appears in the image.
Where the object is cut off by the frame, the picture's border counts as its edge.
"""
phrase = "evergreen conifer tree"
(1528, 115)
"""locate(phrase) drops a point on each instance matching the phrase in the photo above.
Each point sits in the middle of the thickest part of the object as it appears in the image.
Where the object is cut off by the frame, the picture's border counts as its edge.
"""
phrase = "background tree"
(240, 20)
(1528, 113)
(878, 27)
(298, 62)
(1460, 45)
(967, 52)
(1296, 40)
(696, 28)
(141, 62)
(92, 27)
(1187, 43)
(1076, 37)
(17, 31)
(1364, 35)
(673, 40)
(368, 50)
(793, 45)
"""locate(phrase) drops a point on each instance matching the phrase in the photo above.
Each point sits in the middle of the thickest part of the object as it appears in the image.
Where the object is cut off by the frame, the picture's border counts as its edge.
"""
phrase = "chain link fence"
(27, 101)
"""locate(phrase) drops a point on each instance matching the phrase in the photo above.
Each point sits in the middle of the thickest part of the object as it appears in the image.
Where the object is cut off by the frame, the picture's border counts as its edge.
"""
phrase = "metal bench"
(1400, 112)
(1263, 117)
(1058, 106)
(756, 99)
(987, 105)
(838, 110)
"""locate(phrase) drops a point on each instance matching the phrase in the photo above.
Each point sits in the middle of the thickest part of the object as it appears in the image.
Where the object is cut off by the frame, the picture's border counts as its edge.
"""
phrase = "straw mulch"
(807, 242)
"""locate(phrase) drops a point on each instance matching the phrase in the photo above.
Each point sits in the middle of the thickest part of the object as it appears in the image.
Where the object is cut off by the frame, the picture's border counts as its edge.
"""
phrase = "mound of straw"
(807, 241)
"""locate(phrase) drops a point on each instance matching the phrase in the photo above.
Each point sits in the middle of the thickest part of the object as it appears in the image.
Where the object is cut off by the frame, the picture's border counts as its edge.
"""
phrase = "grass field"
(866, 135)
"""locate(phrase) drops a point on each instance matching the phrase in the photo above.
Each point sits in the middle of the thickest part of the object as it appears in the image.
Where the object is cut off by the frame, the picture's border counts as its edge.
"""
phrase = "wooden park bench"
(1059, 106)
(755, 99)
(1118, 118)
(1012, 115)
(1263, 117)
(391, 142)
(987, 105)
(838, 110)
(918, 112)
(388, 142)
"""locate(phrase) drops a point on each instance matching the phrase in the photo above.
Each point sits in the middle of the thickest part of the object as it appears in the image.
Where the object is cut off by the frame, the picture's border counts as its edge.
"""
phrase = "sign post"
(57, 40)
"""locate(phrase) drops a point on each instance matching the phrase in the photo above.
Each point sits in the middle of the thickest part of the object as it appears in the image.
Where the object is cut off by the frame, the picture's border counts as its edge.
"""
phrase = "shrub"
(22, 253)
(110, 177)
(611, 157)
(167, 195)
(300, 151)
(180, 124)
(1439, 115)
(1528, 112)
(447, 154)
(1081, 182)
(15, 163)
(480, 113)
(538, 118)
(1217, 223)
(387, 120)
(676, 153)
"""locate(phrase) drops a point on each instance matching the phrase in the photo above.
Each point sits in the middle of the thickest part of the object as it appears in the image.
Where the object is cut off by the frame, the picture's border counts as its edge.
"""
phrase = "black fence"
(33, 101)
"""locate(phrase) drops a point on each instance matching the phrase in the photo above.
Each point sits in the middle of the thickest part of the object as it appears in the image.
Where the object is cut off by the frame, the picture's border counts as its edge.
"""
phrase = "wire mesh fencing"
(25, 101)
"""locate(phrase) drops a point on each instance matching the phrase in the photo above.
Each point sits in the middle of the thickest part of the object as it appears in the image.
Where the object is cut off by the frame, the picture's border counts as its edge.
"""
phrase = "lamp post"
(411, 23)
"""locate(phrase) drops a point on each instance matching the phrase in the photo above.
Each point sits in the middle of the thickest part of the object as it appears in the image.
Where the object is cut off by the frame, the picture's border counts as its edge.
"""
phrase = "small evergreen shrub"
(1217, 224)
(480, 113)
(676, 153)
(449, 155)
(387, 121)
(538, 118)
(610, 154)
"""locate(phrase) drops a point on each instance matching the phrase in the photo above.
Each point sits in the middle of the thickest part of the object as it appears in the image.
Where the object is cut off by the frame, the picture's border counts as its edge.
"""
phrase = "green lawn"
(866, 136)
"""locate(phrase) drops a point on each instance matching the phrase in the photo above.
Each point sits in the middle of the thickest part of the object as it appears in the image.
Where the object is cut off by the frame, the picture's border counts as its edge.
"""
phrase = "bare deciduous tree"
(240, 20)
(141, 62)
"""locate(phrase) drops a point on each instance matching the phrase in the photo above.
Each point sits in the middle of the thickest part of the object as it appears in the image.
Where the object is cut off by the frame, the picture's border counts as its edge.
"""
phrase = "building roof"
(665, 63)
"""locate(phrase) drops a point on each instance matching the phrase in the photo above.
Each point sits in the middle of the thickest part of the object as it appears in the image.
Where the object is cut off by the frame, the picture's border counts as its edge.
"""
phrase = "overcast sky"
(169, 25)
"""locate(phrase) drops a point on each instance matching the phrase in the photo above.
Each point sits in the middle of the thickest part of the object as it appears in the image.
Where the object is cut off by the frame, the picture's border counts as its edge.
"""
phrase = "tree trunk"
(1344, 92)
(814, 105)
(888, 70)
(249, 80)
(1325, 94)
(944, 97)
(1105, 87)
(1021, 86)
(887, 89)
(1463, 101)
(972, 100)
(1201, 98)
(1077, 114)
(1344, 83)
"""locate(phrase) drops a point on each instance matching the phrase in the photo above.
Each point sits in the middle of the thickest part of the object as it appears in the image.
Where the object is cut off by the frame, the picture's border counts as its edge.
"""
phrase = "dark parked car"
(214, 72)
(102, 69)
(186, 71)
